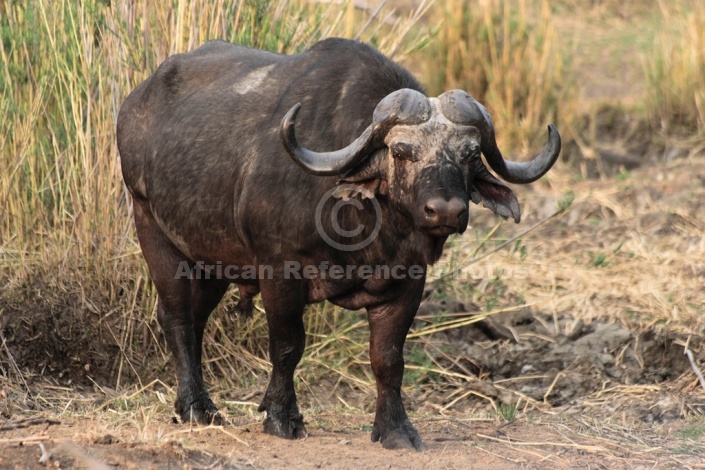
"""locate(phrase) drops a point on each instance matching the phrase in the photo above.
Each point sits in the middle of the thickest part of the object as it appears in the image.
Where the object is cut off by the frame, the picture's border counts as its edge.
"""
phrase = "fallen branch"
(44, 458)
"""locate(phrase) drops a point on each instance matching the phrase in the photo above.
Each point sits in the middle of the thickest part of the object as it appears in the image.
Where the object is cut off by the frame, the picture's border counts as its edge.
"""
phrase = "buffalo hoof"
(403, 436)
(282, 423)
(203, 412)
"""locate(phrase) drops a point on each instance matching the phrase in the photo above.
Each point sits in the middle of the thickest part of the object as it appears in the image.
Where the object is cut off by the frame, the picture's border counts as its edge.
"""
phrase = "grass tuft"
(675, 71)
(506, 55)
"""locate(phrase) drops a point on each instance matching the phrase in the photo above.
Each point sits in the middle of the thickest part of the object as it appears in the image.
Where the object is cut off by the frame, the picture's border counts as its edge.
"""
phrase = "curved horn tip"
(554, 136)
(553, 130)
(290, 116)
(287, 127)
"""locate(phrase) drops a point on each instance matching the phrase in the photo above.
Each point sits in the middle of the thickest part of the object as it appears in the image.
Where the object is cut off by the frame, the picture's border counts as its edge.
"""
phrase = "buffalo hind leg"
(389, 324)
(206, 294)
(284, 305)
(176, 316)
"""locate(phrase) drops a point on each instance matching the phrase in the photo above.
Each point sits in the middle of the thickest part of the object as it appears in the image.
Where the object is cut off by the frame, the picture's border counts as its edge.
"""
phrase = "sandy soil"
(536, 441)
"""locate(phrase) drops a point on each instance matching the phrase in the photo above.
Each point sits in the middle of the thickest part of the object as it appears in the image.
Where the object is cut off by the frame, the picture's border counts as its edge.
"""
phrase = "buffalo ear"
(367, 178)
(495, 196)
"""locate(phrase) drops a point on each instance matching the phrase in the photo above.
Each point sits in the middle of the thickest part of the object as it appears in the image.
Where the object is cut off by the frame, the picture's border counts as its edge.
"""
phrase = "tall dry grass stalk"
(506, 55)
(67, 245)
(675, 71)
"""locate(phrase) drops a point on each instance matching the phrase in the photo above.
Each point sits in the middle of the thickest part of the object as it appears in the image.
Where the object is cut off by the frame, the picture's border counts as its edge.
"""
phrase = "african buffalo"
(215, 151)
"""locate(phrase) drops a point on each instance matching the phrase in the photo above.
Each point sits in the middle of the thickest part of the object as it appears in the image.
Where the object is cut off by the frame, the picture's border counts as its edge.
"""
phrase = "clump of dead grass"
(675, 70)
(506, 55)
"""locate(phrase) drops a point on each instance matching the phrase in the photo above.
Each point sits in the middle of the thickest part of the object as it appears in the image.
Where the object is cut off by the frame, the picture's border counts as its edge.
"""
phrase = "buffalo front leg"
(284, 305)
(389, 324)
(175, 312)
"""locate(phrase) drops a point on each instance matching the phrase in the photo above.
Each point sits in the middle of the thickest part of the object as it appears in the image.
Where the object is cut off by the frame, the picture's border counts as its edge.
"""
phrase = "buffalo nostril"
(457, 208)
(435, 209)
(440, 212)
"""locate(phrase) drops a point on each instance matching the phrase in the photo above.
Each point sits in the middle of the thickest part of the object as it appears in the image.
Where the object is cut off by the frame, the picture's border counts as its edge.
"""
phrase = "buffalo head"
(424, 154)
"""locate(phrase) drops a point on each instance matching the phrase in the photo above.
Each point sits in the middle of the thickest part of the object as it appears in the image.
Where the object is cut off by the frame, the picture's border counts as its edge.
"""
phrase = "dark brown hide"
(216, 180)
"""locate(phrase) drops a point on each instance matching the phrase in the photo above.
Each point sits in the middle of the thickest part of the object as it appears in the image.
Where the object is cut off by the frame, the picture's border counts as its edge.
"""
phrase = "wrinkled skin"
(211, 182)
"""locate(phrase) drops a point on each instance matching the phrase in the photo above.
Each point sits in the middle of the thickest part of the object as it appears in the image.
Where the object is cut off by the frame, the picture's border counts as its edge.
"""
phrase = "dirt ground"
(537, 441)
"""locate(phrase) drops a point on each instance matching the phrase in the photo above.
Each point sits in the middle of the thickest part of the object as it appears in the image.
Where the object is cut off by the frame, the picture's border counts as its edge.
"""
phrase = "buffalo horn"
(462, 108)
(404, 106)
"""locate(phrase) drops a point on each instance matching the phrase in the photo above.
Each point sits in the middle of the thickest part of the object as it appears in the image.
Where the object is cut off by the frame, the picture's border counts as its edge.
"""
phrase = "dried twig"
(505, 457)
(540, 444)
(553, 384)
(463, 321)
(13, 363)
(695, 367)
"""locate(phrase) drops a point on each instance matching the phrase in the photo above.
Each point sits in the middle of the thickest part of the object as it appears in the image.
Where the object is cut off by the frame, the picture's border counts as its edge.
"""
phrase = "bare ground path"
(537, 440)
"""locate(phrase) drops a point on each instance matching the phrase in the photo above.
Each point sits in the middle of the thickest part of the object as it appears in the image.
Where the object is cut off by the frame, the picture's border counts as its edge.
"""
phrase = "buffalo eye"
(471, 151)
(401, 151)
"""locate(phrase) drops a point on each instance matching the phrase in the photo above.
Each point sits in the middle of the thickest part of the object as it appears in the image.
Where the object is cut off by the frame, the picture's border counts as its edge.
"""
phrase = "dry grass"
(676, 72)
(629, 250)
(645, 233)
(507, 55)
